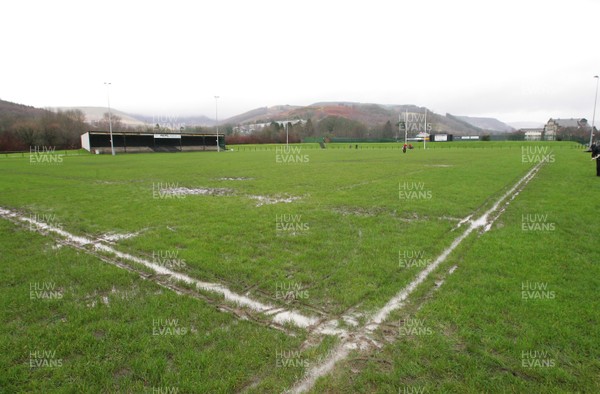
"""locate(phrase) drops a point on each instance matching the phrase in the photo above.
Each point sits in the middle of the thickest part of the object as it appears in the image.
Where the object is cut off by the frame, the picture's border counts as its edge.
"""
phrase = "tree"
(72, 125)
(117, 124)
(388, 131)
(516, 136)
(401, 125)
(27, 132)
(309, 128)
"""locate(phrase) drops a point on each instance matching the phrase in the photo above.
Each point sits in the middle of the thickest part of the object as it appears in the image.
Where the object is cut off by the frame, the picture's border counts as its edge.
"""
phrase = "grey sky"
(514, 60)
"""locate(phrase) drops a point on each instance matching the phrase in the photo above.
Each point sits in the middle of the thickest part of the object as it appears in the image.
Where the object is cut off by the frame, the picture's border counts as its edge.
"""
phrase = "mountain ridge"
(370, 115)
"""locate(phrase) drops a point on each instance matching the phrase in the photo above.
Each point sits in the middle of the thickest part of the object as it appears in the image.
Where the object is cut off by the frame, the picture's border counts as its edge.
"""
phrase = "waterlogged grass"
(416, 145)
(520, 312)
(71, 323)
(355, 212)
(338, 245)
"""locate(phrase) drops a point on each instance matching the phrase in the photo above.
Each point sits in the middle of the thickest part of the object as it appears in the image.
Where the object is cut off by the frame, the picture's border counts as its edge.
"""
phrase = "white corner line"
(278, 315)
(348, 343)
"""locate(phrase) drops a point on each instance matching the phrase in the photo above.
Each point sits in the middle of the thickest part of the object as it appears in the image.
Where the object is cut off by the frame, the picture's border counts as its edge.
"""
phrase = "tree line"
(328, 127)
(62, 129)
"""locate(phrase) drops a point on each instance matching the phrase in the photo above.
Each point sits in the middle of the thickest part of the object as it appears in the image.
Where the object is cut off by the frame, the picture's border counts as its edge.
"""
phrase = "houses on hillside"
(249, 128)
(558, 129)
(561, 128)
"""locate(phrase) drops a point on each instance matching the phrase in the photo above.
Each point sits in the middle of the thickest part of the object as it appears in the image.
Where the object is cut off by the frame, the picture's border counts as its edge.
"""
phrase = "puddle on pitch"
(241, 178)
(264, 200)
(201, 191)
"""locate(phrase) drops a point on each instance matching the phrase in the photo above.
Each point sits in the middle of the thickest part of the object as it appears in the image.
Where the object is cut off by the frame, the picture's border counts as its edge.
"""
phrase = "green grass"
(113, 346)
(345, 256)
(228, 239)
(480, 324)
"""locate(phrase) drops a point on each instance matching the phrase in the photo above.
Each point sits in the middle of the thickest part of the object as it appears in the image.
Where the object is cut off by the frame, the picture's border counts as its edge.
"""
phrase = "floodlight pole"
(594, 114)
(399, 128)
(405, 127)
(112, 147)
(287, 138)
(217, 120)
(425, 136)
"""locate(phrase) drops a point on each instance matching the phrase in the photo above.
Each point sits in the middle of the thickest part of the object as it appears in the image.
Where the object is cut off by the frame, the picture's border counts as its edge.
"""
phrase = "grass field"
(328, 235)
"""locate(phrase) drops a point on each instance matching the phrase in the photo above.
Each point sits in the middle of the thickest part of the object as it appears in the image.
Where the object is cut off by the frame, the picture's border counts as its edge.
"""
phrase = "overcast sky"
(517, 60)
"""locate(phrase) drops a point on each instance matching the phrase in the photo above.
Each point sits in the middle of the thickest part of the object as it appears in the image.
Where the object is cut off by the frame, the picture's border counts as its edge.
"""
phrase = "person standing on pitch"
(596, 156)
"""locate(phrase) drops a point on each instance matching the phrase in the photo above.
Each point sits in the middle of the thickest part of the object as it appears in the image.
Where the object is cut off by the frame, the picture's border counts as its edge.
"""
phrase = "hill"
(487, 124)
(13, 111)
(526, 125)
(179, 120)
(369, 114)
(262, 115)
(95, 114)
(23, 126)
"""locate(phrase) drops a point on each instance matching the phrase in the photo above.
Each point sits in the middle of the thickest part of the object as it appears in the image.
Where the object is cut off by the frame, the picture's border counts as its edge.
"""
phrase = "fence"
(398, 146)
(26, 153)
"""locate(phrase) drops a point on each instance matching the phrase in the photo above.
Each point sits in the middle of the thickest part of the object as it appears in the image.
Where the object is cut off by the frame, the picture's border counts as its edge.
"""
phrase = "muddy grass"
(220, 192)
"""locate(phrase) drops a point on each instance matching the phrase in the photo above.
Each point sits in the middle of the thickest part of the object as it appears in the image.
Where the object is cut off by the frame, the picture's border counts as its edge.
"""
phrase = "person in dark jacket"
(596, 156)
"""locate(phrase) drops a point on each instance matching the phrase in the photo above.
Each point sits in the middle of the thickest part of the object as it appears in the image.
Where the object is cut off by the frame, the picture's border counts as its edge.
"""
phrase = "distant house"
(554, 127)
(249, 128)
(533, 134)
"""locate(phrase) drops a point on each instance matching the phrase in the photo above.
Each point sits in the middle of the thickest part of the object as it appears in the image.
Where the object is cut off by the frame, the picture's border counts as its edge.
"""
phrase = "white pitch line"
(351, 342)
(279, 315)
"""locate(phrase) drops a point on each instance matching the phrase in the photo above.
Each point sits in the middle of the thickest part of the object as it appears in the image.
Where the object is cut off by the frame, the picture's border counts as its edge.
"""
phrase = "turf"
(353, 223)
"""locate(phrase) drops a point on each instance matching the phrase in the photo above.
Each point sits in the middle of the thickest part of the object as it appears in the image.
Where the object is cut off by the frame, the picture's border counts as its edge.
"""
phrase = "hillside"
(262, 115)
(487, 124)
(94, 114)
(370, 115)
(526, 125)
(179, 120)
(10, 110)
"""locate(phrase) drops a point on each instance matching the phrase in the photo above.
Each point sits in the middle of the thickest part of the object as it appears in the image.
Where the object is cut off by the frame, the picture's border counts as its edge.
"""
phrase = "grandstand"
(139, 142)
